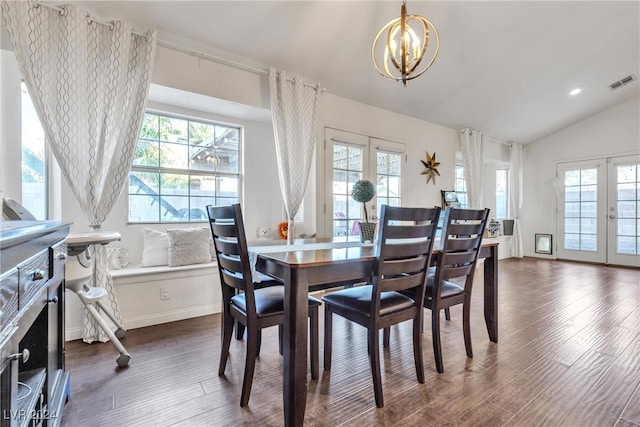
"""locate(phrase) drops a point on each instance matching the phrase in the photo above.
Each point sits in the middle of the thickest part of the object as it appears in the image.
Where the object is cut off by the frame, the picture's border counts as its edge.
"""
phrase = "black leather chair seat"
(449, 289)
(359, 299)
(269, 301)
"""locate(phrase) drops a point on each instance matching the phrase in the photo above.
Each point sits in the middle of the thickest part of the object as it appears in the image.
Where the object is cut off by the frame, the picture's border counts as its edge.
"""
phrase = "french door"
(599, 211)
(348, 158)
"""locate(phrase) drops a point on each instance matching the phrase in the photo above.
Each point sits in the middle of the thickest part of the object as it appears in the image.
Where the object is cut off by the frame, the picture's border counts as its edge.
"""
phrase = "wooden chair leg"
(281, 339)
(239, 331)
(327, 338)
(259, 334)
(314, 348)
(386, 336)
(466, 326)
(417, 349)
(435, 333)
(447, 313)
(227, 333)
(249, 367)
(374, 360)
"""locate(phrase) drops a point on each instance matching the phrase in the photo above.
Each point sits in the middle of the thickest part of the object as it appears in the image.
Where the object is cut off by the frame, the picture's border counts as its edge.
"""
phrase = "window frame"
(159, 169)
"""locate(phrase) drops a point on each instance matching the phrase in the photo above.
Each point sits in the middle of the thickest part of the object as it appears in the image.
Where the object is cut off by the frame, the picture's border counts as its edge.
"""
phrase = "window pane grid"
(387, 179)
(348, 167)
(461, 187)
(627, 186)
(580, 209)
(180, 166)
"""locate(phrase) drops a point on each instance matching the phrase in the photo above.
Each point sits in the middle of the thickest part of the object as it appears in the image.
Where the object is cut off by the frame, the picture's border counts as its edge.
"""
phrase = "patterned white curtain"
(472, 147)
(517, 196)
(89, 83)
(294, 111)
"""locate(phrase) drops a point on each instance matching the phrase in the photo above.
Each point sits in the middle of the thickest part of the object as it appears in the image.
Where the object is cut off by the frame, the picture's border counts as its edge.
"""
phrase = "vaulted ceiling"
(504, 67)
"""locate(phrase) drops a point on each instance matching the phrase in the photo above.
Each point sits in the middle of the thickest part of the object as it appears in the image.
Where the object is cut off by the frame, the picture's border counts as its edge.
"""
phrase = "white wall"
(613, 132)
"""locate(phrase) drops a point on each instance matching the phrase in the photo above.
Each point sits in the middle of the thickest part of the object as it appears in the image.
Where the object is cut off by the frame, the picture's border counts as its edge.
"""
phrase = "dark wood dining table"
(303, 271)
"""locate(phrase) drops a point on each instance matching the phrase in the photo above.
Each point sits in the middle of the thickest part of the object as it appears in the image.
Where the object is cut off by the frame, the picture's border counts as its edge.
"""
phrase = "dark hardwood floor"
(568, 355)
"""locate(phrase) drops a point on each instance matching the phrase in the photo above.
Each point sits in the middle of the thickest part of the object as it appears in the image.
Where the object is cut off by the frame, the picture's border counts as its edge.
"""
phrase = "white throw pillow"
(189, 246)
(156, 248)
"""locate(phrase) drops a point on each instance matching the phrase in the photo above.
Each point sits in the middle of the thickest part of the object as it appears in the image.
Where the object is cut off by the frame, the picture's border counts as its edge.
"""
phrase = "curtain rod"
(225, 61)
(212, 58)
(497, 141)
(90, 19)
(173, 46)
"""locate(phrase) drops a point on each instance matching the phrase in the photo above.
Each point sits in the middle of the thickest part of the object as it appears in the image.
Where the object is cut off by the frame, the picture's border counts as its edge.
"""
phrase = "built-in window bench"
(154, 295)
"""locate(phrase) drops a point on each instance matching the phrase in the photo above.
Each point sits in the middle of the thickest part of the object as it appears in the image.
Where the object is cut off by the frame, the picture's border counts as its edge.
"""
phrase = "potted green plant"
(363, 191)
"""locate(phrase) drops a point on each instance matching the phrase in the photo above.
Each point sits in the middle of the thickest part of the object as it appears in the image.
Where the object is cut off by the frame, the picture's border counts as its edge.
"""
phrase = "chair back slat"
(232, 280)
(228, 247)
(407, 250)
(404, 247)
(463, 243)
(466, 228)
(459, 258)
(453, 272)
(403, 282)
(403, 266)
(231, 264)
(459, 246)
(407, 231)
(230, 244)
(225, 229)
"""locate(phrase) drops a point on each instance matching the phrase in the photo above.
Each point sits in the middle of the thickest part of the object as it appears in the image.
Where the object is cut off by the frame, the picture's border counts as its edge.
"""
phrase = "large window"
(502, 193)
(34, 160)
(180, 166)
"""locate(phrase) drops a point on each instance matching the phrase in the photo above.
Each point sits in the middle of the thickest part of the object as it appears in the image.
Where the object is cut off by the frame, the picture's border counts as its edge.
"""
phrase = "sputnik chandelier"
(407, 39)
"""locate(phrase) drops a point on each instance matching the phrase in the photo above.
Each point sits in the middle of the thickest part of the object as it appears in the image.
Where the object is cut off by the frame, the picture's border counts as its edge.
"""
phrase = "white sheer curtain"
(517, 196)
(89, 83)
(294, 111)
(472, 147)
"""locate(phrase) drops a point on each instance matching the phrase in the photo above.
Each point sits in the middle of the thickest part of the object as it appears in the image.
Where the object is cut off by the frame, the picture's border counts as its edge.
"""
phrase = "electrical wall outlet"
(164, 293)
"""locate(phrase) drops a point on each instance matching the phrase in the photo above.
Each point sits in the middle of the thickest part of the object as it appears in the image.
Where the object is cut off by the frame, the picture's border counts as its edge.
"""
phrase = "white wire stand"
(79, 268)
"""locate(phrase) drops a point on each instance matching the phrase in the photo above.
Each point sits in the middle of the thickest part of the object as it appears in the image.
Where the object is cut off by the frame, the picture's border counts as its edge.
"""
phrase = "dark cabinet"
(34, 385)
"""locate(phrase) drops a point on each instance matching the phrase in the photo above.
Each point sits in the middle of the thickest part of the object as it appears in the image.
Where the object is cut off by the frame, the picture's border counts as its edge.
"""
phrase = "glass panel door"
(599, 211)
(348, 158)
(582, 230)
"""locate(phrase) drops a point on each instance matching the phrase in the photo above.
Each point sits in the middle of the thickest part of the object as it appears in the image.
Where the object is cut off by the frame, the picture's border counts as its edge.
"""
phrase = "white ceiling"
(504, 67)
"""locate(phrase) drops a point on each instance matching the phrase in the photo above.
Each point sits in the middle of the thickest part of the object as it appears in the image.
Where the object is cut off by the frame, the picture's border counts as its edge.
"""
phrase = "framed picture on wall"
(543, 244)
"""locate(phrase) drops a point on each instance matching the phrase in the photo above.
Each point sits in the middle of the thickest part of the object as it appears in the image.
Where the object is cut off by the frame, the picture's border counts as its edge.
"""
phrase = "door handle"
(612, 217)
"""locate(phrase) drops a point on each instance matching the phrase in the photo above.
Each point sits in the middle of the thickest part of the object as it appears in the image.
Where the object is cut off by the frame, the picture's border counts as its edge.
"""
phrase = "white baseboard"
(75, 332)
(192, 293)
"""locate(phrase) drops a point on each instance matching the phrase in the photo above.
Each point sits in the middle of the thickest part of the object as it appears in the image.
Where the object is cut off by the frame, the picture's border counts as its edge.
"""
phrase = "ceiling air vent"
(621, 82)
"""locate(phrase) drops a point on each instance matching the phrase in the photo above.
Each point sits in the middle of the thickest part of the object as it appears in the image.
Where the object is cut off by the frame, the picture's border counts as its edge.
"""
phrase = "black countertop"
(15, 232)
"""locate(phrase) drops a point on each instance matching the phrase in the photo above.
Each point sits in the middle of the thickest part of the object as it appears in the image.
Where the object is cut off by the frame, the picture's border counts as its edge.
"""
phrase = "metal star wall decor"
(430, 168)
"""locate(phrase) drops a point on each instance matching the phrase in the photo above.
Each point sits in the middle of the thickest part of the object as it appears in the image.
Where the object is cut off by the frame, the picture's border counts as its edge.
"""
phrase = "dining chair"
(450, 282)
(404, 249)
(243, 301)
